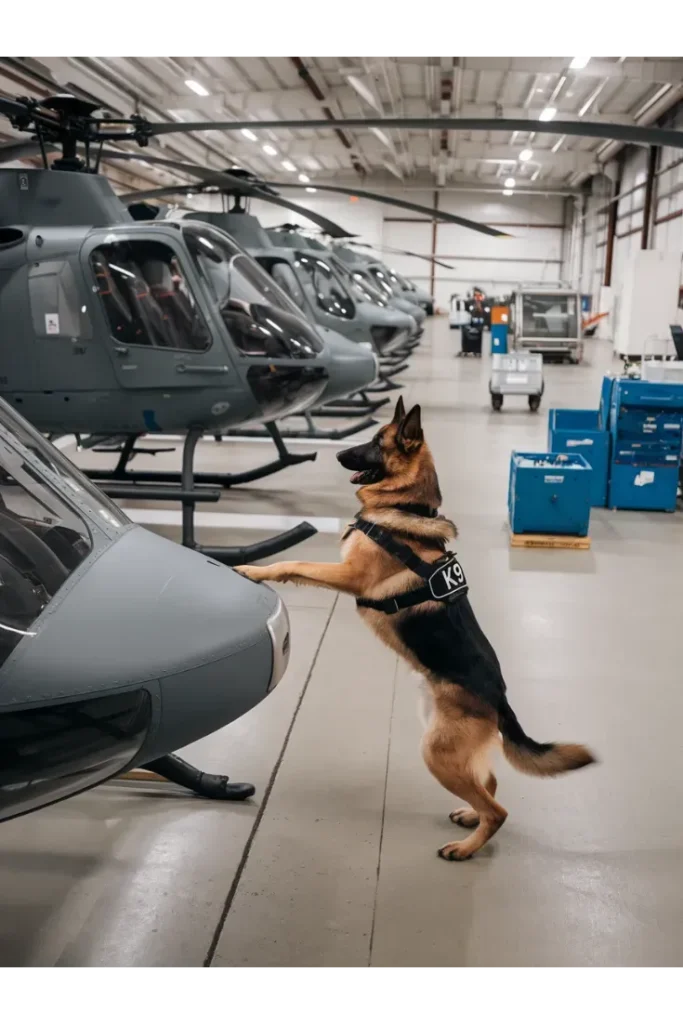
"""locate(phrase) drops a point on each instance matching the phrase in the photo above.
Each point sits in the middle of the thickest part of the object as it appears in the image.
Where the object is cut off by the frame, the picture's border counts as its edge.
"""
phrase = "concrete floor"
(333, 863)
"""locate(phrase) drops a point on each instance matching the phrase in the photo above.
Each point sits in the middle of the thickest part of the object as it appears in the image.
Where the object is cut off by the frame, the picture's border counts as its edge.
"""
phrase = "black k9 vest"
(444, 579)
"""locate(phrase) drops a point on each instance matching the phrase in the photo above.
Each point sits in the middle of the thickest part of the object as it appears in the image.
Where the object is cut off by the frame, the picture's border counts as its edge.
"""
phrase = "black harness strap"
(444, 579)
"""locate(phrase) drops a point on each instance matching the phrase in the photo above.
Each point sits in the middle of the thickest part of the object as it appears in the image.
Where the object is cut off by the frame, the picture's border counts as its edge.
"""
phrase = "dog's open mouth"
(367, 476)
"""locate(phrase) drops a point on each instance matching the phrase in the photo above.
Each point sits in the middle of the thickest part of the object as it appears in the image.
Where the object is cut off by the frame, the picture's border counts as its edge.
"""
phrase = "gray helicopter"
(411, 291)
(370, 269)
(123, 328)
(389, 332)
(177, 644)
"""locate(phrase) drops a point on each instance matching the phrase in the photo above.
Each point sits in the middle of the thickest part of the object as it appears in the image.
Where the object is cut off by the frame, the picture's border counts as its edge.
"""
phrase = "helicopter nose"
(351, 366)
(205, 643)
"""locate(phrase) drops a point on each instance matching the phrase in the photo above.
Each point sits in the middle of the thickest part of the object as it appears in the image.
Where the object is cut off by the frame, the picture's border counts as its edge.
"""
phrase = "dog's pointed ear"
(409, 435)
(399, 411)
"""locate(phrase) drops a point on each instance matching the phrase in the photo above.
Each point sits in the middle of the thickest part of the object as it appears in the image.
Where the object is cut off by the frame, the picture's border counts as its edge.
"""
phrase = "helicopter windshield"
(362, 288)
(383, 280)
(43, 539)
(262, 320)
(324, 286)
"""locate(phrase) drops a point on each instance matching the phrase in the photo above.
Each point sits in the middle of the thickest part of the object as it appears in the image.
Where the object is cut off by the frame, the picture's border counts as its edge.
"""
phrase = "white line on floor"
(231, 520)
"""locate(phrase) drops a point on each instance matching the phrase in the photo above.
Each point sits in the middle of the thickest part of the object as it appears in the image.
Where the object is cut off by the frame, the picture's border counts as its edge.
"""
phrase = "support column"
(612, 227)
(646, 234)
(432, 272)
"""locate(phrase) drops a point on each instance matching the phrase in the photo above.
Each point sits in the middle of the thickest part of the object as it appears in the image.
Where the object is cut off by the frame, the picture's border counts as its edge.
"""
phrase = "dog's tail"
(532, 758)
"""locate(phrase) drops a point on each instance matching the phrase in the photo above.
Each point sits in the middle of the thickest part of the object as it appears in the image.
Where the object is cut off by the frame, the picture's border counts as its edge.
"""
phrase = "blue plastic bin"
(549, 493)
(579, 431)
(605, 402)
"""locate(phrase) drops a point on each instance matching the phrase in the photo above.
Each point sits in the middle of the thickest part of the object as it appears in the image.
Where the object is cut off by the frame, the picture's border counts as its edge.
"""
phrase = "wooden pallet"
(549, 540)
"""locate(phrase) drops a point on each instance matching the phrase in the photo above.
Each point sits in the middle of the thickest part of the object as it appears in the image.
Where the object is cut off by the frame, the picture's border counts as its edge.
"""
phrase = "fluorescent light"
(270, 150)
(509, 183)
(311, 190)
(196, 87)
(547, 114)
(558, 143)
(381, 136)
(508, 192)
(304, 178)
(288, 165)
(365, 91)
(248, 134)
(578, 63)
(525, 155)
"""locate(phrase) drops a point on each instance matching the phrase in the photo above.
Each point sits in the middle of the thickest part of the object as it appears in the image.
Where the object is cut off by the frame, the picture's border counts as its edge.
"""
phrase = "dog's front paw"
(256, 573)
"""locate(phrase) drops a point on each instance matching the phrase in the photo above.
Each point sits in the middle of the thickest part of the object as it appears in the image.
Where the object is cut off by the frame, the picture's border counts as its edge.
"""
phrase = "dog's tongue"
(357, 477)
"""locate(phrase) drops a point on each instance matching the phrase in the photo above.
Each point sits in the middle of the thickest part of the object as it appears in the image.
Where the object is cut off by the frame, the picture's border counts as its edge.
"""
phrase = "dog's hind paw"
(455, 851)
(465, 817)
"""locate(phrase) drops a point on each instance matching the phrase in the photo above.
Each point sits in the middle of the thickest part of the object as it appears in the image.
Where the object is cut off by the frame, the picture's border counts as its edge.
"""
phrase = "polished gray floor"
(333, 863)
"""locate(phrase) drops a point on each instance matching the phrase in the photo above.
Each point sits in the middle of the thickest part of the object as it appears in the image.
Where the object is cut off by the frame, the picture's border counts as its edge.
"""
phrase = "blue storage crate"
(644, 475)
(549, 493)
(647, 396)
(578, 430)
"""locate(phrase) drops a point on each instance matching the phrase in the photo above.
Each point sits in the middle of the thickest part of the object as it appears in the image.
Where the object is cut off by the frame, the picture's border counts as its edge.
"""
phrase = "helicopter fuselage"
(113, 329)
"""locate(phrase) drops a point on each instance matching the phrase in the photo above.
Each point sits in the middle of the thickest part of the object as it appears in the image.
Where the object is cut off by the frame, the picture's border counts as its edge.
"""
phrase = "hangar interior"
(332, 861)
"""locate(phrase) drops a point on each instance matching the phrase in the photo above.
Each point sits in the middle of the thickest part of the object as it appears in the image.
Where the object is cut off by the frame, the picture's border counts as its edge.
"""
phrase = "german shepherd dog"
(442, 641)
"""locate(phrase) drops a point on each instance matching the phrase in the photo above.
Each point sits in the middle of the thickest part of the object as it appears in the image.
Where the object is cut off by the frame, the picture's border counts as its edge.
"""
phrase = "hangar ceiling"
(625, 90)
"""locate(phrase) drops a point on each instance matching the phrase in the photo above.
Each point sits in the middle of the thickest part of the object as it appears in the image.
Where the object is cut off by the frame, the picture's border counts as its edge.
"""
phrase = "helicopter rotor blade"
(158, 193)
(448, 218)
(22, 150)
(229, 182)
(402, 252)
(635, 134)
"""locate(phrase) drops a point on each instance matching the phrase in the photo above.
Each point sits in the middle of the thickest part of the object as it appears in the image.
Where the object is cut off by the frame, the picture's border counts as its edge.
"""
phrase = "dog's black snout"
(348, 458)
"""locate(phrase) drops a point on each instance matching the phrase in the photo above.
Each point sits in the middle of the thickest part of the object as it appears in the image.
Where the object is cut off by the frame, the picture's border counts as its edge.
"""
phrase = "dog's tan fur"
(463, 730)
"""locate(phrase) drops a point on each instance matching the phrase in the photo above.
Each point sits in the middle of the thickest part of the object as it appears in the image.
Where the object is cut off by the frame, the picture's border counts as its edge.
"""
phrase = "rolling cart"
(516, 373)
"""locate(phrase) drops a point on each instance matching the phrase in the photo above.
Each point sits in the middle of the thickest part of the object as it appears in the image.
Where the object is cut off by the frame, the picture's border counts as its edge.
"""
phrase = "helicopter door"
(159, 337)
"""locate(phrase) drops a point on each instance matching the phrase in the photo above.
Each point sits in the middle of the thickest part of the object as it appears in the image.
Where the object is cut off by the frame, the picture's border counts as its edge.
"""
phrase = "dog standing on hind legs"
(412, 593)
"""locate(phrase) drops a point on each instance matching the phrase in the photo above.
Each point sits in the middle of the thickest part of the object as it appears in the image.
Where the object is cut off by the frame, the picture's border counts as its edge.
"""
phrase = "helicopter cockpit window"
(102, 507)
(325, 287)
(42, 541)
(283, 275)
(382, 279)
(146, 297)
(262, 320)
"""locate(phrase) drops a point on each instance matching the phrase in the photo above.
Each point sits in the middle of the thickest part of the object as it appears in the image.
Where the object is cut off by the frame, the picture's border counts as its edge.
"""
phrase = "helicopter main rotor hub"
(67, 120)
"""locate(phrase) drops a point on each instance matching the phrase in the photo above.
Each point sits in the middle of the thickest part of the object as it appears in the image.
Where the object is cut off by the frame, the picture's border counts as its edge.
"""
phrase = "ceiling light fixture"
(578, 63)
(381, 136)
(508, 192)
(196, 87)
(288, 165)
(270, 150)
(509, 183)
(304, 178)
(248, 134)
(547, 114)
(525, 155)
(311, 190)
(365, 91)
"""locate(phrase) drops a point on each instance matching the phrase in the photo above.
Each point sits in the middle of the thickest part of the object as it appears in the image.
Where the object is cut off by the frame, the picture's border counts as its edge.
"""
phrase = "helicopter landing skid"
(313, 432)
(362, 403)
(213, 787)
(122, 483)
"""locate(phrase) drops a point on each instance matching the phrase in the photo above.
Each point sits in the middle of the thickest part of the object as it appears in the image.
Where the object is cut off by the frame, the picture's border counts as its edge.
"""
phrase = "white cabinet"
(646, 303)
